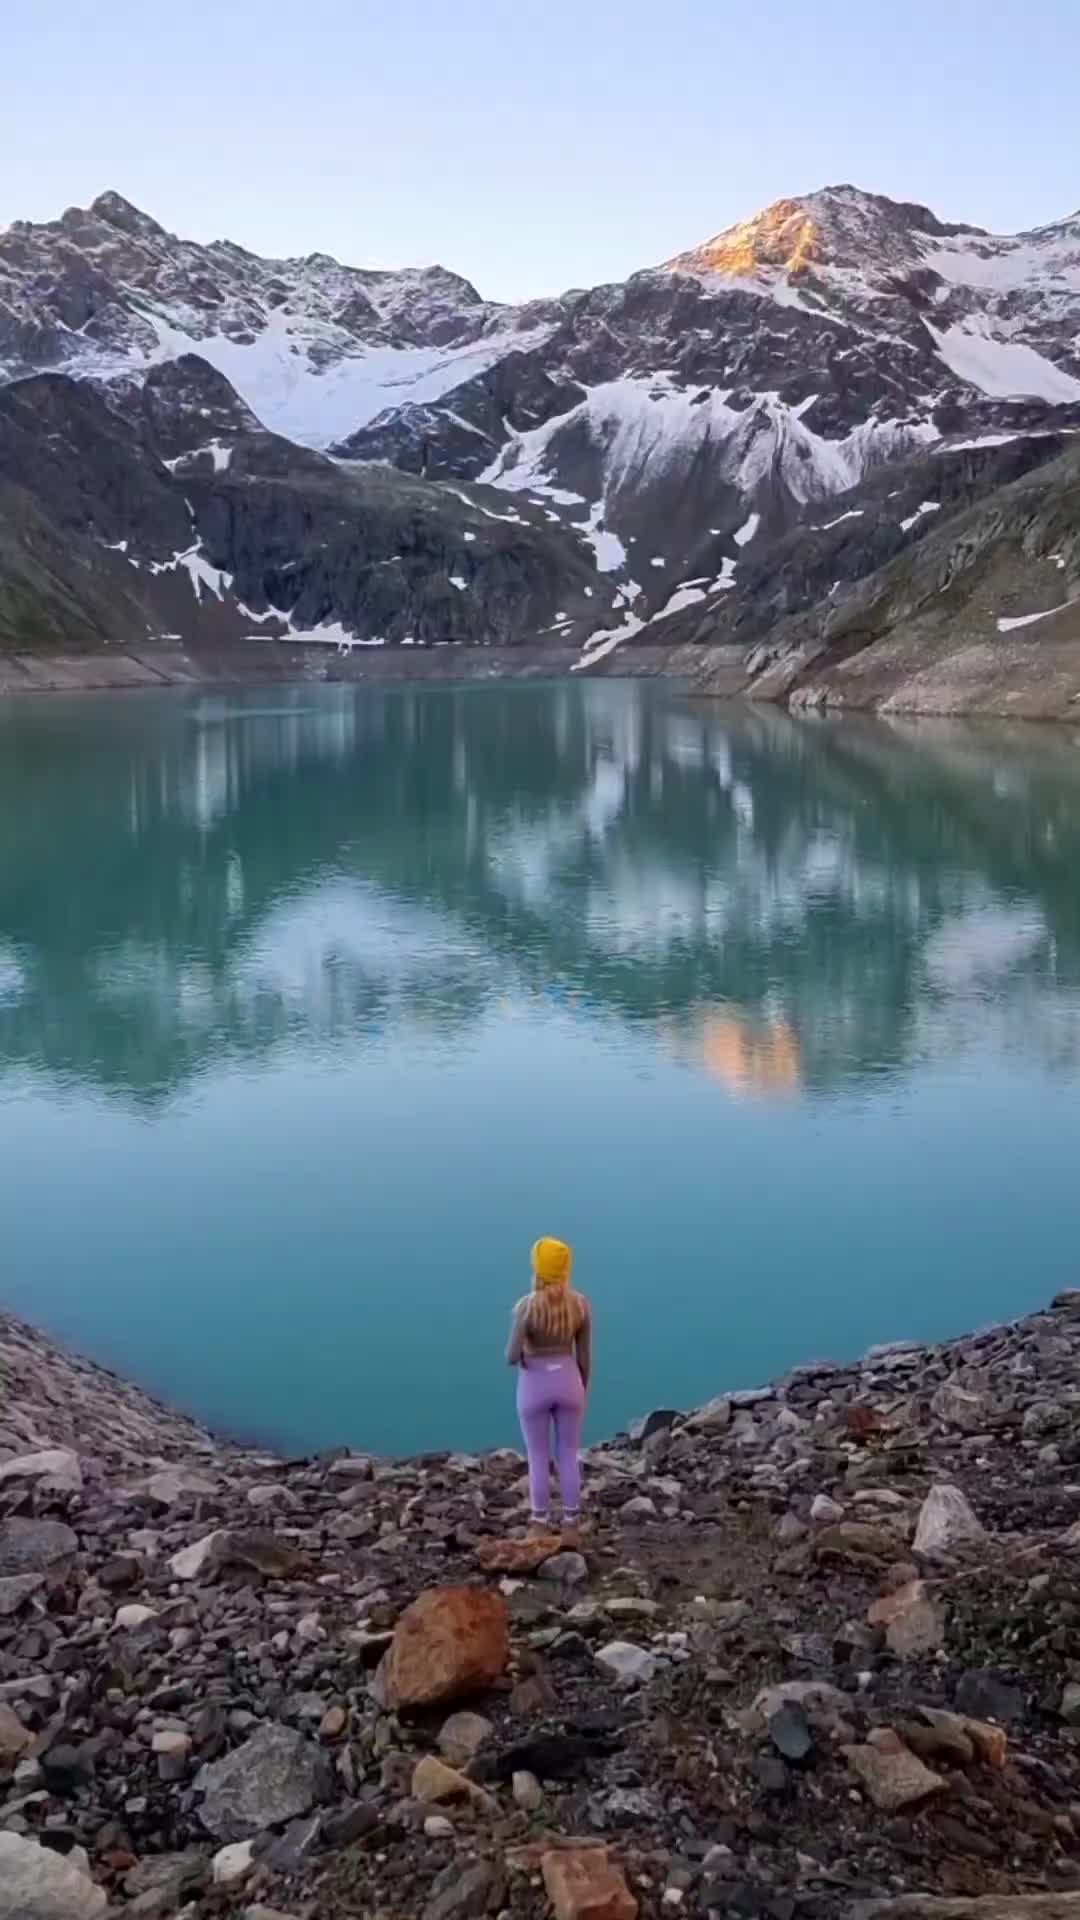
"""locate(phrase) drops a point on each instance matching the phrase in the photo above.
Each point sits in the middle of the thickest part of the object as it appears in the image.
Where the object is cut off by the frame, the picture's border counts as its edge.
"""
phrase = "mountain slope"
(249, 537)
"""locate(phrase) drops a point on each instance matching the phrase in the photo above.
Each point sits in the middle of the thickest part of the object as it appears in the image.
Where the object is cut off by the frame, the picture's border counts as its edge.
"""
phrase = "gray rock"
(1070, 1703)
(461, 1896)
(639, 1508)
(955, 1406)
(656, 1422)
(275, 1776)
(56, 1468)
(174, 1486)
(37, 1884)
(33, 1546)
(790, 1732)
(291, 1848)
(713, 1417)
(156, 1886)
(982, 1696)
(462, 1737)
(569, 1569)
(16, 1590)
(825, 1511)
(628, 1665)
(947, 1523)
(527, 1791)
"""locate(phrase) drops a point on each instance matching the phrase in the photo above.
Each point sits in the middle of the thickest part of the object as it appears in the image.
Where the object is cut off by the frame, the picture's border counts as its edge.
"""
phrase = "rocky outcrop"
(980, 614)
(701, 1703)
(118, 533)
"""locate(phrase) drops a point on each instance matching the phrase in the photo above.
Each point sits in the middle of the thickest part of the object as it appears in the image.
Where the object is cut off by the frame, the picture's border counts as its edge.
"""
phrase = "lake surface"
(316, 1008)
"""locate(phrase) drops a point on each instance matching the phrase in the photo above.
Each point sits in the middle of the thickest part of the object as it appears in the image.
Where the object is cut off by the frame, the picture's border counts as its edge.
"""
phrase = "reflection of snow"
(982, 944)
(341, 921)
(12, 974)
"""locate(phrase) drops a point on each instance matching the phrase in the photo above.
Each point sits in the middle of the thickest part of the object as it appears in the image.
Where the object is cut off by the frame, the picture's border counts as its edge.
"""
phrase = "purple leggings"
(551, 1390)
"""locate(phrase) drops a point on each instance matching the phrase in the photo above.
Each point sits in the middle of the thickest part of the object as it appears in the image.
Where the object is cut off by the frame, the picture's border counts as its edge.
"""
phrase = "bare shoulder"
(586, 1305)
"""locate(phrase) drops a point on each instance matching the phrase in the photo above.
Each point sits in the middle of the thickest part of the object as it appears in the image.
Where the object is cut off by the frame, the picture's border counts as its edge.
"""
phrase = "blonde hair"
(555, 1314)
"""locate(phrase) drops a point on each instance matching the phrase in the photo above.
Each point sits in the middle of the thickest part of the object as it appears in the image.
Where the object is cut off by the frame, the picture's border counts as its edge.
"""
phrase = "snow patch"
(308, 400)
(198, 570)
(687, 596)
(643, 426)
(1032, 619)
(749, 527)
(1003, 369)
(457, 581)
(927, 506)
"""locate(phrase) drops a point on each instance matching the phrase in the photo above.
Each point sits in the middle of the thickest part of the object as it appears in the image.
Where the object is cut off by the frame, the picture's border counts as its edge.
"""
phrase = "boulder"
(714, 1417)
(946, 1524)
(935, 1735)
(33, 1546)
(567, 1569)
(891, 1775)
(824, 1511)
(459, 1894)
(824, 1705)
(627, 1665)
(273, 1777)
(174, 1486)
(584, 1883)
(56, 1468)
(517, 1556)
(433, 1783)
(130, 1618)
(37, 1884)
(956, 1406)
(910, 1619)
(191, 1563)
(16, 1590)
(232, 1864)
(450, 1643)
(14, 1737)
(857, 1540)
(462, 1737)
(527, 1791)
(983, 1696)
(790, 1732)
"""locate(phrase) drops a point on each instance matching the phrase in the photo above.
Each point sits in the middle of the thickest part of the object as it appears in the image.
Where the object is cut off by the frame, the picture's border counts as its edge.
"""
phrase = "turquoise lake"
(318, 1006)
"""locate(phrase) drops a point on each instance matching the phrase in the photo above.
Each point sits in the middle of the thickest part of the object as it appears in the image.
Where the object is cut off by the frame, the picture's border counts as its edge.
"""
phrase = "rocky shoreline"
(281, 662)
(817, 1653)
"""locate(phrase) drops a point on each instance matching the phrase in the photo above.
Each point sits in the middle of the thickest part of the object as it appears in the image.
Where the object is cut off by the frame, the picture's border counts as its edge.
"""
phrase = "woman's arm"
(515, 1350)
(583, 1345)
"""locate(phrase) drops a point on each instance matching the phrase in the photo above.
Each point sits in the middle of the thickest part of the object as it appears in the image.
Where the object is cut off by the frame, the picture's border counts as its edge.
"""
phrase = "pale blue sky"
(532, 146)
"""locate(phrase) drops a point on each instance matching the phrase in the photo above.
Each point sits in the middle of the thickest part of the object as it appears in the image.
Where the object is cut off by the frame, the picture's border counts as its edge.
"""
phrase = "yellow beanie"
(551, 1262)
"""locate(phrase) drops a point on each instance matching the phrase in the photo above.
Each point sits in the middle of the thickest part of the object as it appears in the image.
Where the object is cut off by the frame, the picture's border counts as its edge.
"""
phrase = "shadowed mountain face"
(783, 903)
(769, 427)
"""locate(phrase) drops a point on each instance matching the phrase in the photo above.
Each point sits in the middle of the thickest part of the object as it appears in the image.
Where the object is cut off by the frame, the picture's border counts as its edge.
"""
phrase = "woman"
(551, 1343)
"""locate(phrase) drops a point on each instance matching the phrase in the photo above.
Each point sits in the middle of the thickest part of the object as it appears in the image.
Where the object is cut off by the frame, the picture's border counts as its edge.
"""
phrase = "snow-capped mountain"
(314, 347)
(665, 439)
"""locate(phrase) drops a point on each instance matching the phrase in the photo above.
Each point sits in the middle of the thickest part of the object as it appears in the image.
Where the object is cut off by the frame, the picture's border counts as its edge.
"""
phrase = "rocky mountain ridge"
(672, 434)
(814, 1654)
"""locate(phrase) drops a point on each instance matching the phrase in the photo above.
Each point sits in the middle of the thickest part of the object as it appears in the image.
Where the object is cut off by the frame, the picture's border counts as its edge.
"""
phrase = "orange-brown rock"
(433, 1782)
(452, 1642)
(585, 1884)
(518, 1556)
(858, 1540)
(911, 1622)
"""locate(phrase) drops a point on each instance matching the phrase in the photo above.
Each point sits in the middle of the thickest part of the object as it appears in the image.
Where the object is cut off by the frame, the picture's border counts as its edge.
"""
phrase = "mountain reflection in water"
(190, 879)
